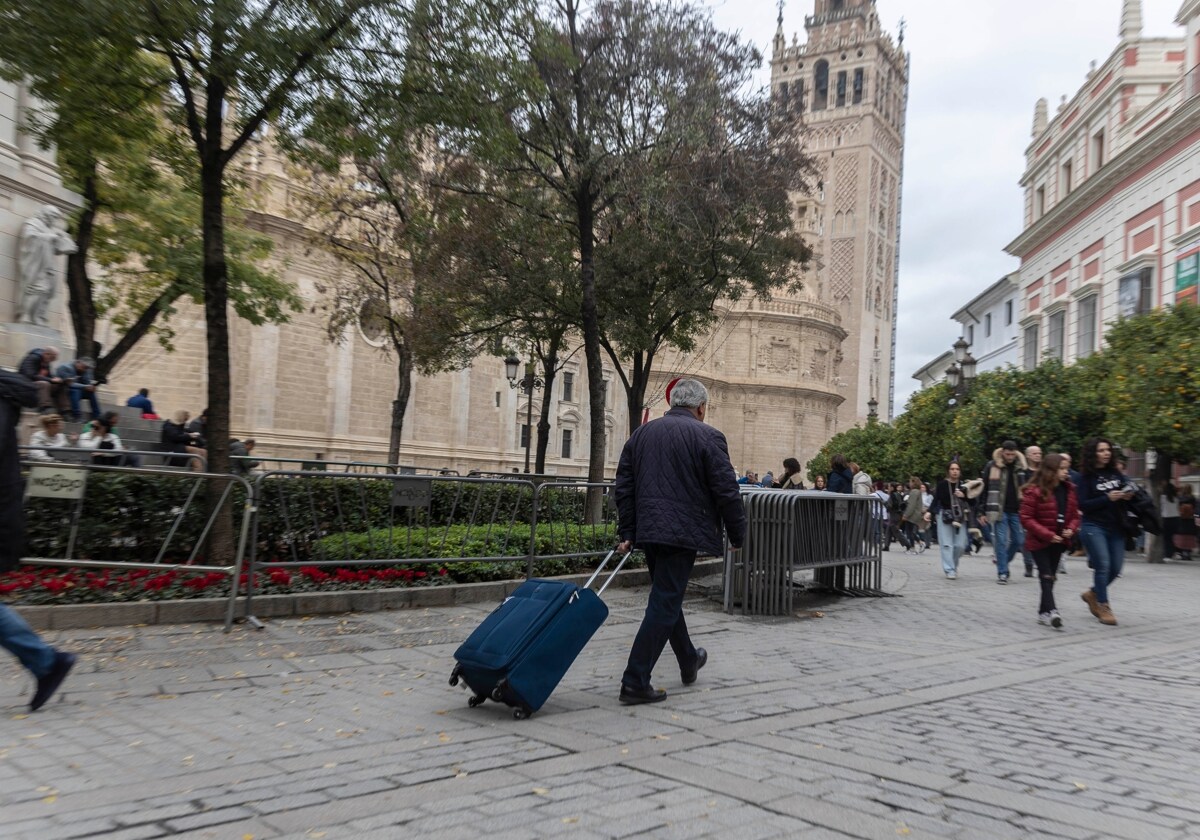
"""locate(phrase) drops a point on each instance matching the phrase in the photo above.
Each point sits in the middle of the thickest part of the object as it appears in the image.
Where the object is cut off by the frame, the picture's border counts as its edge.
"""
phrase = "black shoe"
(47, 685)
(637, 696)
(689, 675)
(1028, 572)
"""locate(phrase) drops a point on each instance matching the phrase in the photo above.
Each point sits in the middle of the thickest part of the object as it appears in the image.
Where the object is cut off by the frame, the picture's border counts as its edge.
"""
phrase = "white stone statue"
(43, 240)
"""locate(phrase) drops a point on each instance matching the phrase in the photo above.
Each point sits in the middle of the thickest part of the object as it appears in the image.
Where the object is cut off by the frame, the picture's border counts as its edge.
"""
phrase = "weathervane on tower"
(903, 23)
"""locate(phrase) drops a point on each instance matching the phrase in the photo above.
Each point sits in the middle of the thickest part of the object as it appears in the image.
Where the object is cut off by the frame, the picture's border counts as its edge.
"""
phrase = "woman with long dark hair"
(791, 479)
(1102, 491)
(841, 480)
(819, 483)
(953, 513)
(1050, 517)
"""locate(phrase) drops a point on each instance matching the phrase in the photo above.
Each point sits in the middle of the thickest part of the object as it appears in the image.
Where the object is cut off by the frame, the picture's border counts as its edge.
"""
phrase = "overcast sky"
(977, 70)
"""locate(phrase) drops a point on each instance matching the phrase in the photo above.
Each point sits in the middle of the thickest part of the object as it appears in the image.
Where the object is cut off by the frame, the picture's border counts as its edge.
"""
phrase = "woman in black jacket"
(792, 478)
(841, 480)
(1103, 490)
(176, 438)
(953, 516)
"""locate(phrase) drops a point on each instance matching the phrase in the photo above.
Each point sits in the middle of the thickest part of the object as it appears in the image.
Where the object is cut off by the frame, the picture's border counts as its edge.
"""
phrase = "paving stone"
(870, 721)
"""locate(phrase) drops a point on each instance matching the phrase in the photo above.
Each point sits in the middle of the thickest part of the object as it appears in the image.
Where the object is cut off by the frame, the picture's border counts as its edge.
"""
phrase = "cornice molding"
(44, 192)
(1087, 195)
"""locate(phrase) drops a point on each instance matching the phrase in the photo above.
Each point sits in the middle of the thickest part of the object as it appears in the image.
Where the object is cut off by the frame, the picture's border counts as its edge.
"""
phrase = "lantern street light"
(528, 384)
(872, 410)
(961, 372)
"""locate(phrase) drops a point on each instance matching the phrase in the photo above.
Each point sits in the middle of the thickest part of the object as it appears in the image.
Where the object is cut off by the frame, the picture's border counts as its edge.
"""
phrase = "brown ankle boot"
(1089, 598)
(1105, 615)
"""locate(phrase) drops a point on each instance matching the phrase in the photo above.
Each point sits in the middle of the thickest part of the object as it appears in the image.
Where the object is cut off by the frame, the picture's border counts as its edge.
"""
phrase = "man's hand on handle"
(625, 547)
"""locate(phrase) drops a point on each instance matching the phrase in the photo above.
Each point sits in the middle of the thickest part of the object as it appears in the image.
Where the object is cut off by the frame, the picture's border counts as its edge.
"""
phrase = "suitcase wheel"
(520, 714)
(498, 694)
(454, 674)
(476, 700)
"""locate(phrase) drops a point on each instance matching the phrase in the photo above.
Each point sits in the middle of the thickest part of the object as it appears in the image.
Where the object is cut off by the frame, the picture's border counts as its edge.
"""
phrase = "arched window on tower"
(821, 86)
(837, 5)
(858, 86)
(782, 96)
(841, 89)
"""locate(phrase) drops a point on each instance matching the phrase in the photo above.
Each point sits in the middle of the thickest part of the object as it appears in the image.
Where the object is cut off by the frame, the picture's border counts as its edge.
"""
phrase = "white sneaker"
(951, 576)
(1046, 618)
(1055, 619)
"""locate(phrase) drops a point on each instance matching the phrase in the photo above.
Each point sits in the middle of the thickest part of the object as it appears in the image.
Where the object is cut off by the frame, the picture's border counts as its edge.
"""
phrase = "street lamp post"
(961, 372)
(528, 384)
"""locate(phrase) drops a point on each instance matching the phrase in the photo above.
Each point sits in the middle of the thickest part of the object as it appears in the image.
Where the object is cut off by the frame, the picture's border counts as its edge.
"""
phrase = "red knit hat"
(671, 387)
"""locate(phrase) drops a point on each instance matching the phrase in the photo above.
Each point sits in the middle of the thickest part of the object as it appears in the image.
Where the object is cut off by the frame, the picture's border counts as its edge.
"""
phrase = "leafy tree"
(507, 272)
(140, 201)
(621, 92)
(872, 447)
(711, 220)
(1154, 361)
(921, 433)
(1053, 406)
(227, 69)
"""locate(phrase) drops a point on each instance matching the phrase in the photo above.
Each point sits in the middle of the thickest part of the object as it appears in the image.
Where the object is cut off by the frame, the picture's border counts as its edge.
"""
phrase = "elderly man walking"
(675, 487)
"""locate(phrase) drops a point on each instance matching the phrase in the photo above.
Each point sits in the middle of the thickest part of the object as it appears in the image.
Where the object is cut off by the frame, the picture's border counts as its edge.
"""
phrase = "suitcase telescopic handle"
(612, 575)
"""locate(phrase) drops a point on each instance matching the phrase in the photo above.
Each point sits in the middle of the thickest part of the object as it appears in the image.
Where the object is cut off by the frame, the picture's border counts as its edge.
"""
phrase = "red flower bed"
(48, 585)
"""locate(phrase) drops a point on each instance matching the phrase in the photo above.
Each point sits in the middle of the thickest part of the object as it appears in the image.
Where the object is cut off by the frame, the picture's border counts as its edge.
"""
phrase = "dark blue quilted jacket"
(675, 486)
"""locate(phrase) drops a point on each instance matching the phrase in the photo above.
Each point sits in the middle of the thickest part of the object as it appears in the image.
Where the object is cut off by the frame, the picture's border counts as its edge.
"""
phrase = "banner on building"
(1135, 293)
(1187, 273)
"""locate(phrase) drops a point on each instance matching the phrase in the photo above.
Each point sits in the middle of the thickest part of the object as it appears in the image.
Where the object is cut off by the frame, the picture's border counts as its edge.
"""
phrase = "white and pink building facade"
(1112, 194)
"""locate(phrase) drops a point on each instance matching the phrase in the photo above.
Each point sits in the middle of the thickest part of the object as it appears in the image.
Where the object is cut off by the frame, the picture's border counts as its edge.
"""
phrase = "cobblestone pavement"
(948, 712)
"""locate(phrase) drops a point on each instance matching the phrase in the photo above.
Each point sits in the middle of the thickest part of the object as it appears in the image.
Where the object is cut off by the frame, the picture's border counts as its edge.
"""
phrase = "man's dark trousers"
(670, 567)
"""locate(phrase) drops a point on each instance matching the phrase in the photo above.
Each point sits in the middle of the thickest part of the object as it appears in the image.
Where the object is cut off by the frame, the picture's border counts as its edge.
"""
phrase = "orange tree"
(1053, 406)
(872, 447)
(1153, 388)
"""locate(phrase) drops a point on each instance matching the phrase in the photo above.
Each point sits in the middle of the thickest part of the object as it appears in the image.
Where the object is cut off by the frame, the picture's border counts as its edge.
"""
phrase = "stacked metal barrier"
(834, 535)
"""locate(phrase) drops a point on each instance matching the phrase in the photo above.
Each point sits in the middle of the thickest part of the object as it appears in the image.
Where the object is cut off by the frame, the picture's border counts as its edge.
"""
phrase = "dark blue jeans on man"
(1007, 537)
(670, 567)
(77, 394)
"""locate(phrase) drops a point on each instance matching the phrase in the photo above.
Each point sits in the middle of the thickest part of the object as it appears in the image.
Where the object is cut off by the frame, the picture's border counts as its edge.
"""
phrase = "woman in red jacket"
(1050, 517)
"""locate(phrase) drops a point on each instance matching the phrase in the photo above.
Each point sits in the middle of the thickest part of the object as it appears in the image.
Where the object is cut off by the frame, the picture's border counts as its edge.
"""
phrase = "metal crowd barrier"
(587, 511)
(88, 513)
(322, 519)
(83, 455)
(267, 463)
(833, 534)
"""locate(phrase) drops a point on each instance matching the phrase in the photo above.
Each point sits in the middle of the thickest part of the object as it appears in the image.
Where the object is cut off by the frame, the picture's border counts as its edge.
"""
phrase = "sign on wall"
(1187, 274)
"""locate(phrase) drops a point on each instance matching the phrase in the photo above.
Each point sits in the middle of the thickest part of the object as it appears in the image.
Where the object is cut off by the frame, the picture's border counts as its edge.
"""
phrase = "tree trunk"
(635, 393)
(80, 301)
(216, 316)
(591, 351)
(549, 369)
(404, 369)
(136, 332)
(1158, 479)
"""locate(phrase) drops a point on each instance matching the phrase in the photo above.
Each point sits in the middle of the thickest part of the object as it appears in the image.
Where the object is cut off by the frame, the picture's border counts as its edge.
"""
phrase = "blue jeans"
(1106, 553)
(77, 394)
(953, 542)
(1007, 537)
(670, 568)
(18, 638)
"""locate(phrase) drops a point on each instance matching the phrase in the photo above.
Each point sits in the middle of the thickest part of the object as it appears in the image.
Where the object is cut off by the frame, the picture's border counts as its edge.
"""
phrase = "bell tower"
(849, 84)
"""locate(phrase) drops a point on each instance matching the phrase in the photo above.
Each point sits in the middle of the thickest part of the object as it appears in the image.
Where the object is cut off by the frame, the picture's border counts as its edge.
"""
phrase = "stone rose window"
(373, 322)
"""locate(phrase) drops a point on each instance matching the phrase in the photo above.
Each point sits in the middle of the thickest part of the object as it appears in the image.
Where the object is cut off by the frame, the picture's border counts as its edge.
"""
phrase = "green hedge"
(125, 517)
(463, 541)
